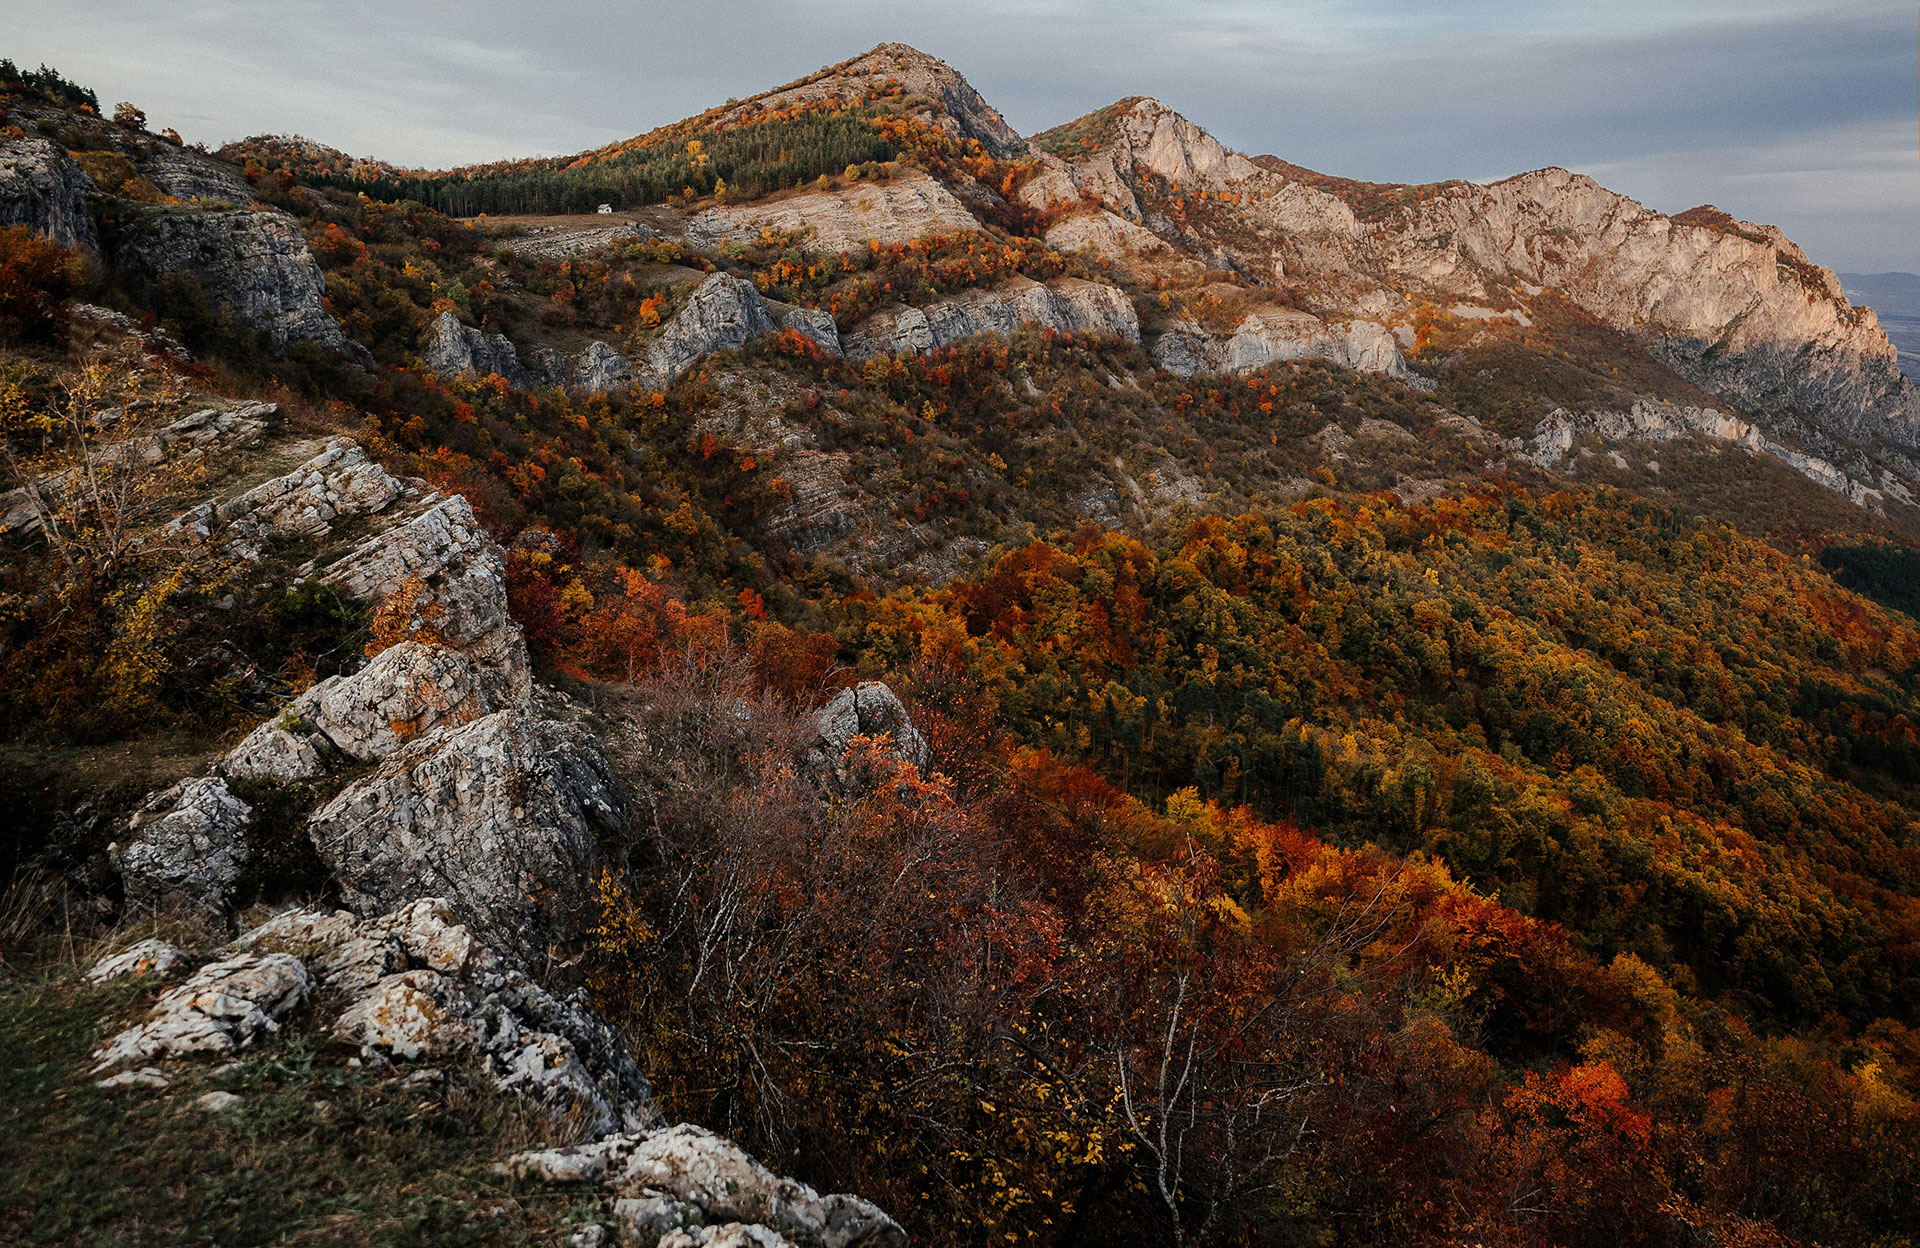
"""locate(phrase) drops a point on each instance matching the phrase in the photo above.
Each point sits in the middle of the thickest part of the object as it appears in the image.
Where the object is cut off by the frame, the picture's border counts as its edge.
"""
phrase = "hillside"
(1094, 690)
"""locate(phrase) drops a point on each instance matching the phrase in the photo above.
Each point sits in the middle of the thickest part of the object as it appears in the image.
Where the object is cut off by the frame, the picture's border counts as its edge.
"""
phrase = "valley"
(912, 684)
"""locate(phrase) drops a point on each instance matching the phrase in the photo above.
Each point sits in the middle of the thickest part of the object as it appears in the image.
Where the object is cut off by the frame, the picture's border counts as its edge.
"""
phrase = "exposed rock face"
(340, 482)
(406, 691)
(1664, 422)
(453, 349)
(907, 206)
(1105, 235)
(723, 314)
(192, 845)
(408, 986)
(227, 1005)
(253, 261)
(815, 324)
(686, 1176)
(465, 575)
(1739, 309)
(1274, 335)
(600, 368)
(186, 174)
(43, 189)
(1067, 306)
(416, 985)
(149, 957)
(500, 816)
(869, 709)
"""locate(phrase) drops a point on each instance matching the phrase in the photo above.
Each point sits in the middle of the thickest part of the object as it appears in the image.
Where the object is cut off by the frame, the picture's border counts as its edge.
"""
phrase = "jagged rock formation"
(1275, 335)
(1067, 306)
(599, 368)
(411, 986)
(723, 314)
(453, 349)
(1734, 306)
(253, 261)
(502, 816)
(43, 189)
(191, 844)
(688, 1186)
(404, 692)
(868, 709)
(815, 324)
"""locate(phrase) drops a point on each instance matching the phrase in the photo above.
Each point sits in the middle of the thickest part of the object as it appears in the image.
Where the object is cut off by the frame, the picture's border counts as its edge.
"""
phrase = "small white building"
(606, 210)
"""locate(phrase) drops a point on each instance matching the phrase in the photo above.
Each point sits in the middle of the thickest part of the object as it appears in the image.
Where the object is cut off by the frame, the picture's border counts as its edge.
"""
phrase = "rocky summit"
(830, 675)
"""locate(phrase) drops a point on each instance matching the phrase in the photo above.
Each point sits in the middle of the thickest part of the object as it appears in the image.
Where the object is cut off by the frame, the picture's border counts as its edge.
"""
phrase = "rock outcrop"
(410, 986)
(191, 845)
(501, 816)
(907, 206)
(723, 314)
(1275, 335)
(1734, 306)
(815, 324)
(1067, 306)
(686, 1185)
(252, 261)
(42, 188)
(406, 691)
(868, 709)
(1557, 434)
(463, 572)
(452, 349)
(225, 1006)
(599, 369)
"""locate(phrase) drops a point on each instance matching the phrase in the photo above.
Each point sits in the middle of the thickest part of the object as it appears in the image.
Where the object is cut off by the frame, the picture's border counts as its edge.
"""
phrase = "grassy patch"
(316, 1152)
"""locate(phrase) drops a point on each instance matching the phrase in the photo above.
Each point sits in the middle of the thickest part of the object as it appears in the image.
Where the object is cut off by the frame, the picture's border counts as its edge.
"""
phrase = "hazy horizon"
(1786, 112)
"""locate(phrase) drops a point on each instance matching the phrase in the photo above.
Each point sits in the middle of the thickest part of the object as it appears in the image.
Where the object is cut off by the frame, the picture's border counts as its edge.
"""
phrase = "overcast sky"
(1791, 112)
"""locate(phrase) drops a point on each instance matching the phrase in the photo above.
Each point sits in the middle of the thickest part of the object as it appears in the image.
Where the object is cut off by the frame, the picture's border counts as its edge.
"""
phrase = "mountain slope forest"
(1385, 733)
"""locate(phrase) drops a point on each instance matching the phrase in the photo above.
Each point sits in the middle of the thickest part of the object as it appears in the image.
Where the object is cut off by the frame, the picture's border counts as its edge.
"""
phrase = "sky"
(1795, 113)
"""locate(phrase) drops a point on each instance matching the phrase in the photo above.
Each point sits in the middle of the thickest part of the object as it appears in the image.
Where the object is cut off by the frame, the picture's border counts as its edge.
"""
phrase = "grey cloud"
(1676, 103)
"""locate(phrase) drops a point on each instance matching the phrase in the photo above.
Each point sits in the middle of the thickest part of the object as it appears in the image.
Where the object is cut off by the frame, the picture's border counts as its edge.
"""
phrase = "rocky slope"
(252, 260)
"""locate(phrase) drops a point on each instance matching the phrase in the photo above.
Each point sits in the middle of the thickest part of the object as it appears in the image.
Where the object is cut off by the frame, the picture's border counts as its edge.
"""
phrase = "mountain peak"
(1142, 130)
(950, 100)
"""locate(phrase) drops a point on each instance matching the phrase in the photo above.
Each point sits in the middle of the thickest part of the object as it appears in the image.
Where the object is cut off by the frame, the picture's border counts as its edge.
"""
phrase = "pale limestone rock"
(869, 709)
(416, 984)
(465, 574)
(723, 314)
(342, 481)
(599, 368)
(1067, 306)
(217, 1102)
(907, 206)
(226, 1006)
(149, 957)
(1105, 235)
(146, 1077)
(407, 690)
(687, 1170)
(500, 816)
(1276, 335)
(190, 845)
(453, 349)
(815, 324)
